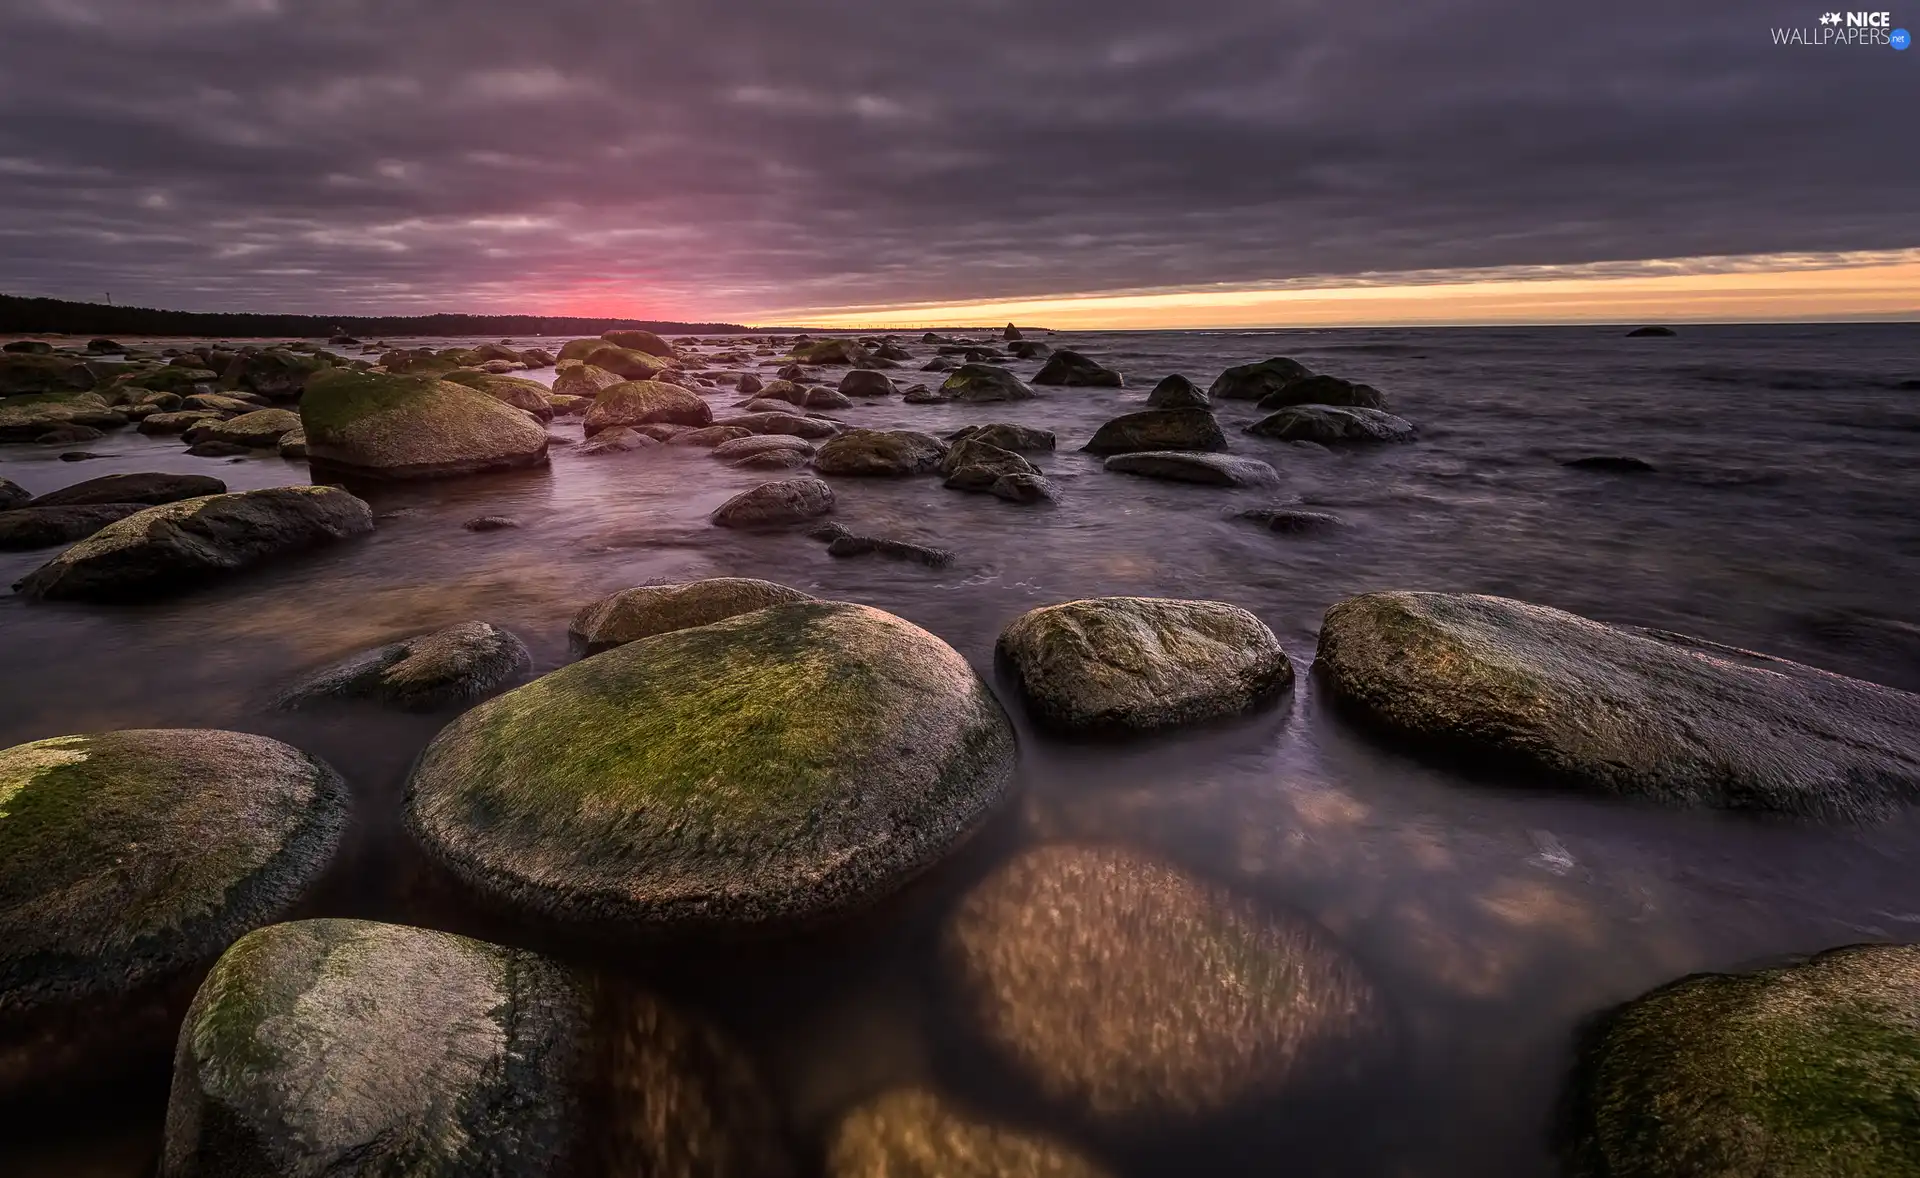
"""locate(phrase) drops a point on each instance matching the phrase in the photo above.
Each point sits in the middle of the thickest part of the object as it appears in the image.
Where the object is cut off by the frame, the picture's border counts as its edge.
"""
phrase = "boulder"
(293, 444)
(413, 427)
(1181, 466)
(772, 460)
(864, 383)
(1177, 392)
(1123, 988)
(1158, 429)
(1018, 438)
(783, 390)
(31, 347)
(1251, 382)
(976, 383)
(974, 465)
(883, 453)
(454, 665)
(827, 399)
(1631, 712)
(574, 378)
(937, 364)
(1023, 488)
(831, 351)
(28, 372)
(842, 543)
(221, 403)
(26, 528)
(260, 429)
(642, 612)
(1068, 367)
(1809, 1069)
(1030, 350)
(644, 402)
(128, 861)
(1011, 333)
(1652, 332)
(771, 504)
(1332, 425)
(275, 373)
(14, 495)
(164, 424)
(839, 752)
(920, 394)
(912, 1133)
(1324, 390)
(174, 379)
(618, 440)
(528, 396)
(564, 405)
(174, 544)
(1292, 520)
(638, 341)
(712, 435)
(784, 423)
(749, 384)
(66, 435)
(1142, 663)
(762, 444)
(22, 419)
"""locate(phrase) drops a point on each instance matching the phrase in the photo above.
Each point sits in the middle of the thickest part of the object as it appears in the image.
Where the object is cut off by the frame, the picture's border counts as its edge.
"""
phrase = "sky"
(1080, 163)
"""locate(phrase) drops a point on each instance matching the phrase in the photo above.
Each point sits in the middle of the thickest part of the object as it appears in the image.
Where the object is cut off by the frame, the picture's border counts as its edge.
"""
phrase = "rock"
(840, 751)
(219, 450)
(784, 423)
(1177, 392)
(1158, 429)
(977, 383)
(1251, 382)
(491, 523)
(766, 405)
(1067, 367)
(842, 543)
(175, 544)
(197, 381)
(786, 391)
(528, 396)
(458, 664)
(974, 465)
(827, 399)
(1810, 1069)
(260, 429)
(794, 373)
(1030, 350)
(79, 456)
(1018, 438)
(883, 453)
(293, 444)
(27, 528)
(762, 444)
(13, 495)
(1011, 333)
(163, 424)
(864, 383)
(275, 373)
(128, 861)
(937, 364)
(106, 345)
(633, 614)
(1333, 425)
(1656, 332)
(712, 435)
(1125, 989)
(1639, 713)
(1216, 470)
(1023, 488)
(163, 402)
(638, 341)
(574, 378)
(831, 351)
(1142, 663)
(31, 347)
(346, 1047)
(413, 427)
(626, 363)
(1613, 463)
(922, 395)
(770, 504)
(772, 460)
(27, 372)
(643, 402)
(1324, 390)
(891, 351)
(1291, 520)
(617, 440)
(748, 384)
(564, 405)
(912, 1133)
(67, 435)
(25, 418)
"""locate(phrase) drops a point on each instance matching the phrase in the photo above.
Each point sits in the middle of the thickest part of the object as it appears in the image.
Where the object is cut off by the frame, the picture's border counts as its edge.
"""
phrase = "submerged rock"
(637, 340)
(412, 427)
(1068, 367)
(128, 861)
(828, 399)
(14, 495)
(1017, 438)
(27, 528)
(150, 489)
(1332, 425)
(1657, 332)
(577, 378)
(1811, 1069)
(912, 1133)
(646, 402)
(1177, 392)
(1216, 470)
(261, 429)
(464, 662)
(617, 440)
(1122, 988)
(1324, 390)
(785, 423)
(175, 544)
(1640, 713)
(29, 372)
(1141, 663)
(642, 612)
(164, 424)
(863, 383)
(1251, 382)
(843, 543)
(832, 351)
(976, 383)
(761, 444)
(1612, 463)
(1159, 429)
(66, 435)
(1291, 520)
(880, 453)
(712, 436)
(22, 419)
(839, 751)
(772, 504)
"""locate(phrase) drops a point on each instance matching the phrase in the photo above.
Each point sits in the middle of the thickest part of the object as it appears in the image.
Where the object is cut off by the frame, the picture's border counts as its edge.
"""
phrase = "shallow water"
(1493, 917)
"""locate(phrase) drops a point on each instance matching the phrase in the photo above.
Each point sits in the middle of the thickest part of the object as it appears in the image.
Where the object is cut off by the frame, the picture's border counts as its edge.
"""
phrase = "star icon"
(1831, 18)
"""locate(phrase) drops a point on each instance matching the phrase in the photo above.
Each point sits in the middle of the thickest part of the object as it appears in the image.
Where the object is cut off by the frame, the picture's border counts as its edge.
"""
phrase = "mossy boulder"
(22, 419)
(784, 423)
(1632, 712)
(413, 427)
(1324, 390)
(453, 665)
(1185, 466)
(176, 544)
(1809, 1071)
(779, 766)
(274, 373)
(1177, 392)
(977, 383)
(528, 396)
(576, 378)
(914, 1133)
(1251, 382)
(646, 402)
(1021, 439)
(222, 402)
(172, 378)
(880, 453)
(784, 390)
(788, 501)
(625, 363)
(26, 528)
(642, 612)
(261, 429)
(1141, 663)
(973, 465)
(865, 383)
(1068, 367)
(639, 341)
(752, 444)
(128, 861)
(1159, 429)
(1334, 425)
(1122, 988)
(346, 1047)
(28, 372)
(832, 351)
(167, 424)
(150, 489)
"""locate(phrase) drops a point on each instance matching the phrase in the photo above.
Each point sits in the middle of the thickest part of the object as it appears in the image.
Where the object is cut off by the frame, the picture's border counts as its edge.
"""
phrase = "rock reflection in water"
(914, 1134)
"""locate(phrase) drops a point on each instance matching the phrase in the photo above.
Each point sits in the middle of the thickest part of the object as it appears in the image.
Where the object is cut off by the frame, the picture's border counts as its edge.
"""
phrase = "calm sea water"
(1784, 516)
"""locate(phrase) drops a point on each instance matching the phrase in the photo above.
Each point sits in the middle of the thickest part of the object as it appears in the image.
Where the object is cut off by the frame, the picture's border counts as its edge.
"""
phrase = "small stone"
(772, 504)
(1218, 470)
(491, 523)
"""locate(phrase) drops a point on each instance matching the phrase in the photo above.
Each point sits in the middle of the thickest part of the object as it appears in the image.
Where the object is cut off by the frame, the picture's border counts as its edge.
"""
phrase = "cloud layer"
(717, 158)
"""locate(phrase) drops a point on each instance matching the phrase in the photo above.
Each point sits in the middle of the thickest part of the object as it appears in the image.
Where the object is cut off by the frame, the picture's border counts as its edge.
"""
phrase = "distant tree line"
(24, 316)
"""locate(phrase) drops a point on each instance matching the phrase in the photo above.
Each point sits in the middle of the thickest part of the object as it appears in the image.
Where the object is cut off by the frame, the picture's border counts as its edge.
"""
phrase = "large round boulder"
(863, 382)
(1177, 392)
(576, 378)
(1068, 367)
(128, 861)
(913, 1133)
(1140, 663)
(150, 489)
(1334, 425)
(646, 402)
(175, 544)
(975, 383)
(1122, 988)
(772, 768)
(1185, 466)
(880, 453)
(625, 363)
(453, 665)
(832, 351)
(637, 340)
(973, 465)
(642, 612)
(788, 501)
(1251, 382)
(1812, 1069)
(410, 427)
(1640, 713)
(1324, 390)
(1159, 429)
(528, 396)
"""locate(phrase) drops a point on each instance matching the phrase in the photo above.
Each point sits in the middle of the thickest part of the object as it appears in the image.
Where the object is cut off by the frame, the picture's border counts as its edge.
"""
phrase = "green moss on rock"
(642, 612)
(404, 427)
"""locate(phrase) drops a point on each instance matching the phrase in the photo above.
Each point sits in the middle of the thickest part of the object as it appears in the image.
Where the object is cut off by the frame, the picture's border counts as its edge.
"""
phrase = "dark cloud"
(707, 157)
